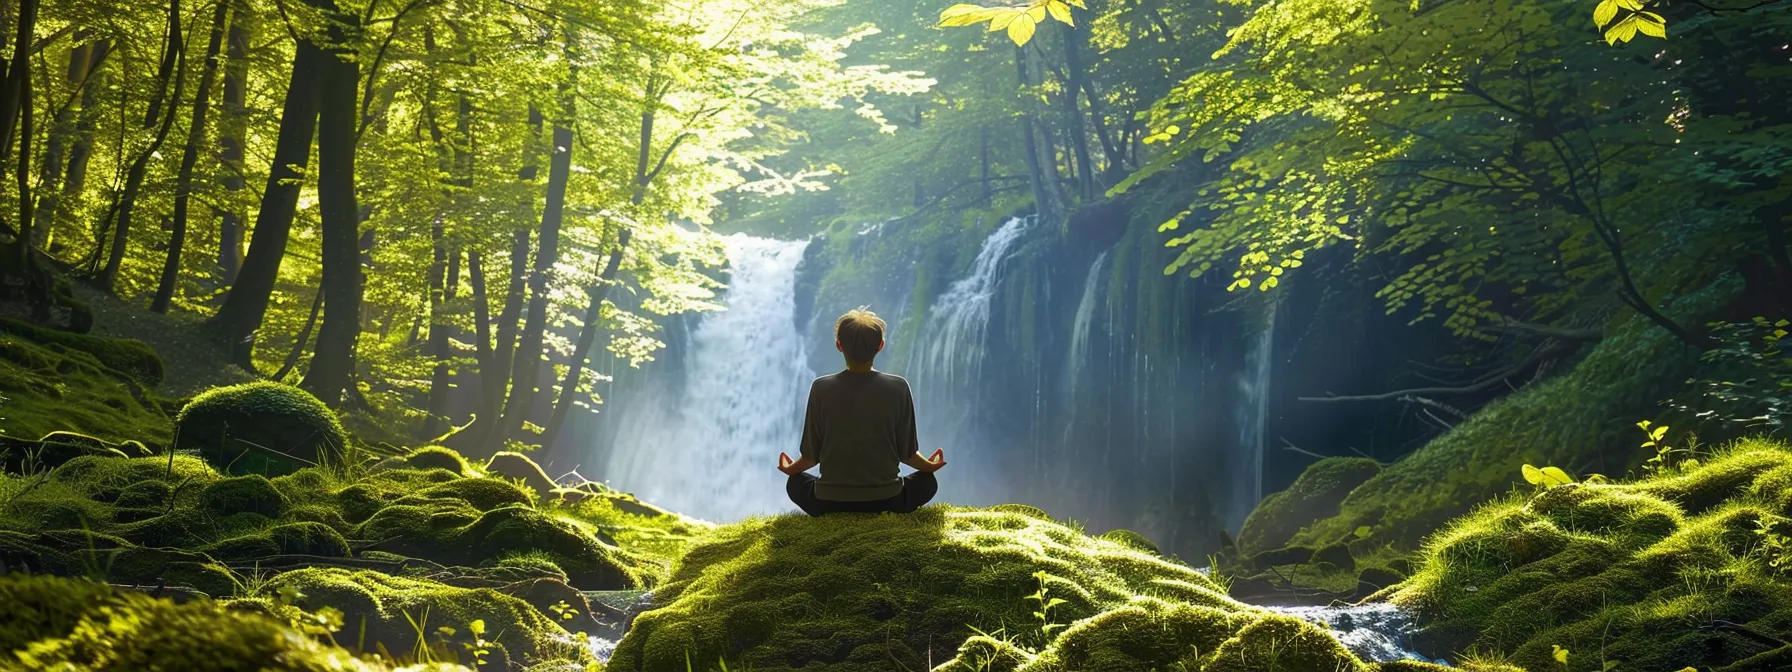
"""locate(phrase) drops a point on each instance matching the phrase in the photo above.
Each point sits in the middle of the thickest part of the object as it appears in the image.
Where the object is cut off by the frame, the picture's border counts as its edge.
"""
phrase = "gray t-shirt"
(859, 427)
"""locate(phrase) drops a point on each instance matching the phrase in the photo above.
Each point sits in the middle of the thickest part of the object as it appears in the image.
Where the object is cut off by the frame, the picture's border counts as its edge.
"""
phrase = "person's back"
(859, 427)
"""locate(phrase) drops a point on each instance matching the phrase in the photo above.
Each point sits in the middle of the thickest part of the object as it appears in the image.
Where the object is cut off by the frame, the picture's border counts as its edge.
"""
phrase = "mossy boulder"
(1625, 572)
(876, 592)
(1313, 496)
(453, 532)
(427, 457)
(67, 624)
(261, 427)
(388, 606)
(307, 538)
(243, 494)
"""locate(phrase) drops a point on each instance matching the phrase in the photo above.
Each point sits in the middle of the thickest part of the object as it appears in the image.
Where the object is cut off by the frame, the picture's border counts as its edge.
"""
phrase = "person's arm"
(908, 445)
(809, 450)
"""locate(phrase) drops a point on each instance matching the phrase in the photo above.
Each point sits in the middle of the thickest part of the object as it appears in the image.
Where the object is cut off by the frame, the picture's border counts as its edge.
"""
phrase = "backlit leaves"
(1020, 21)
(1637, 21)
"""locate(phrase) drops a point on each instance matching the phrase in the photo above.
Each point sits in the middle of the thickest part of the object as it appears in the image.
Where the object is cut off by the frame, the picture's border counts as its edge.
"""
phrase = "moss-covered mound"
(131, 357)
(51, 387)
(1664, 573)
(261, 427)
(49, 623)
(1582, 421)
(881, 592)
(1315, 495)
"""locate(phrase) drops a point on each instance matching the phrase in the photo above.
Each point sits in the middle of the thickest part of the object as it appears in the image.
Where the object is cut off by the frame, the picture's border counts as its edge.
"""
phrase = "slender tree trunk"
(439, 332)
(189, 158)
(1044, 178)
(240, 316)
(232, 134)
(569, 385)
(526, 362)
(1078, 74)
(17, 77)
(482, 327)
(62, 131)
(80, 151)
(174, 60)
(333, 365)
(983, 160)
(298, 345)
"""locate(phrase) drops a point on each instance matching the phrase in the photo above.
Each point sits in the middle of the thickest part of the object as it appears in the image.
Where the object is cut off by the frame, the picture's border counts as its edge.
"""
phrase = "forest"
(1261, 335)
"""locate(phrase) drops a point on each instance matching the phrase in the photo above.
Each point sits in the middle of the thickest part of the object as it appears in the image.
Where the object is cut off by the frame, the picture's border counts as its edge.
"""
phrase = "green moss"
(875, 592)
(262, 427)
(428, 457)
(1313, 496)
(1624, 572)
(1583, 419)
(243, 494)
(64, 624)
(50, 387)
(380, 611)
(131, 357)
(286, 539)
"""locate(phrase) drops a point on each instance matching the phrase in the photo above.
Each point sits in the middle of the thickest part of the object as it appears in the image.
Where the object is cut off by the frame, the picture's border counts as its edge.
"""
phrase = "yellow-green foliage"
(50, 623)
(1618, 572)
(260, 427)
(881, 592)
(131, 357)
(1580, 420)
(1313, 496)
(51, 387)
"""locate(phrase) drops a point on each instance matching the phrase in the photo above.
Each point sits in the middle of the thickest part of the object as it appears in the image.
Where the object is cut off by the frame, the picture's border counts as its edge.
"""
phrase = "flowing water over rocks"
(1377, 632)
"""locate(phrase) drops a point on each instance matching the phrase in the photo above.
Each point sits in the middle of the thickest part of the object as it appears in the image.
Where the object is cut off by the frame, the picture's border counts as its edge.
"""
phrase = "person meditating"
(860, 424)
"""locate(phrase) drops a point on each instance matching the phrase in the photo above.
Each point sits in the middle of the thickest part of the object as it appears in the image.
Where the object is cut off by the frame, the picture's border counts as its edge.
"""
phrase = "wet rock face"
(261, 428)
(1313, 496)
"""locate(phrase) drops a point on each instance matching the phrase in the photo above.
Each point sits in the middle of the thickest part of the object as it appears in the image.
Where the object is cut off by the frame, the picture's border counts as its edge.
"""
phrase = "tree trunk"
(62, 132)
(1044, 178)
(189, 158)
(17, 78)
(298, 344)
(74, 181)
(439, 332)
(983, 159)
(482, 327)
(569, 385)
(247, 303)
(333, 365)
(232, 135)
(175, 60)
(1078, 75)
(525, 364)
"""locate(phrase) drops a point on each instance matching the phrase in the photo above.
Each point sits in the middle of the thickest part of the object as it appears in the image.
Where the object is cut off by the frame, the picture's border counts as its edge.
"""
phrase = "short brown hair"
(860, 333)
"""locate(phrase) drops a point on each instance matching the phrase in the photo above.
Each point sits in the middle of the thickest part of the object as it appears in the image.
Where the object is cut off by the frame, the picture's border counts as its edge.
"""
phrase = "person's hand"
(785, 464)
(935, 461)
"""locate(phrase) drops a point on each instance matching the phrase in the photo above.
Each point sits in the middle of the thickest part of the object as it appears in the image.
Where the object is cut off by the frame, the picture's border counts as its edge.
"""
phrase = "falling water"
(1085, 314)
(1253, 415)
(711, 450)
(951, 348)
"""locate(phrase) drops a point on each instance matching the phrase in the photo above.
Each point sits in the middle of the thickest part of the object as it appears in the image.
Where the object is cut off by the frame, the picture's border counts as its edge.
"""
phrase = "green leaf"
(1560, 654)
(1556, 476)
(1603, 14)
(965, 15)
(1651, 24)
(1532, 475)
(1060, 11)
(1363, 531)
(1021, 29)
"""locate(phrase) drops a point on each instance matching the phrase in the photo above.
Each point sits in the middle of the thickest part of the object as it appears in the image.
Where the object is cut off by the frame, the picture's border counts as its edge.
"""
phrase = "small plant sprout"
(479, 647)
(565, 611)
(1046, 604)
(1559, 653)
(1546, 477)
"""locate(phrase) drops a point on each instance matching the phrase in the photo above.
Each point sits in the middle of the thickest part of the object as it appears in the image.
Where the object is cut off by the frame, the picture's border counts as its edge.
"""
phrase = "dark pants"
(917, 489)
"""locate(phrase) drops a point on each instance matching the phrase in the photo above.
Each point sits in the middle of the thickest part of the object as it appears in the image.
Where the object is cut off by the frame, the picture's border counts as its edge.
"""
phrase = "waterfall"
(1253, 415)
(1085, 314)
(710, 449)
(951, 348)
